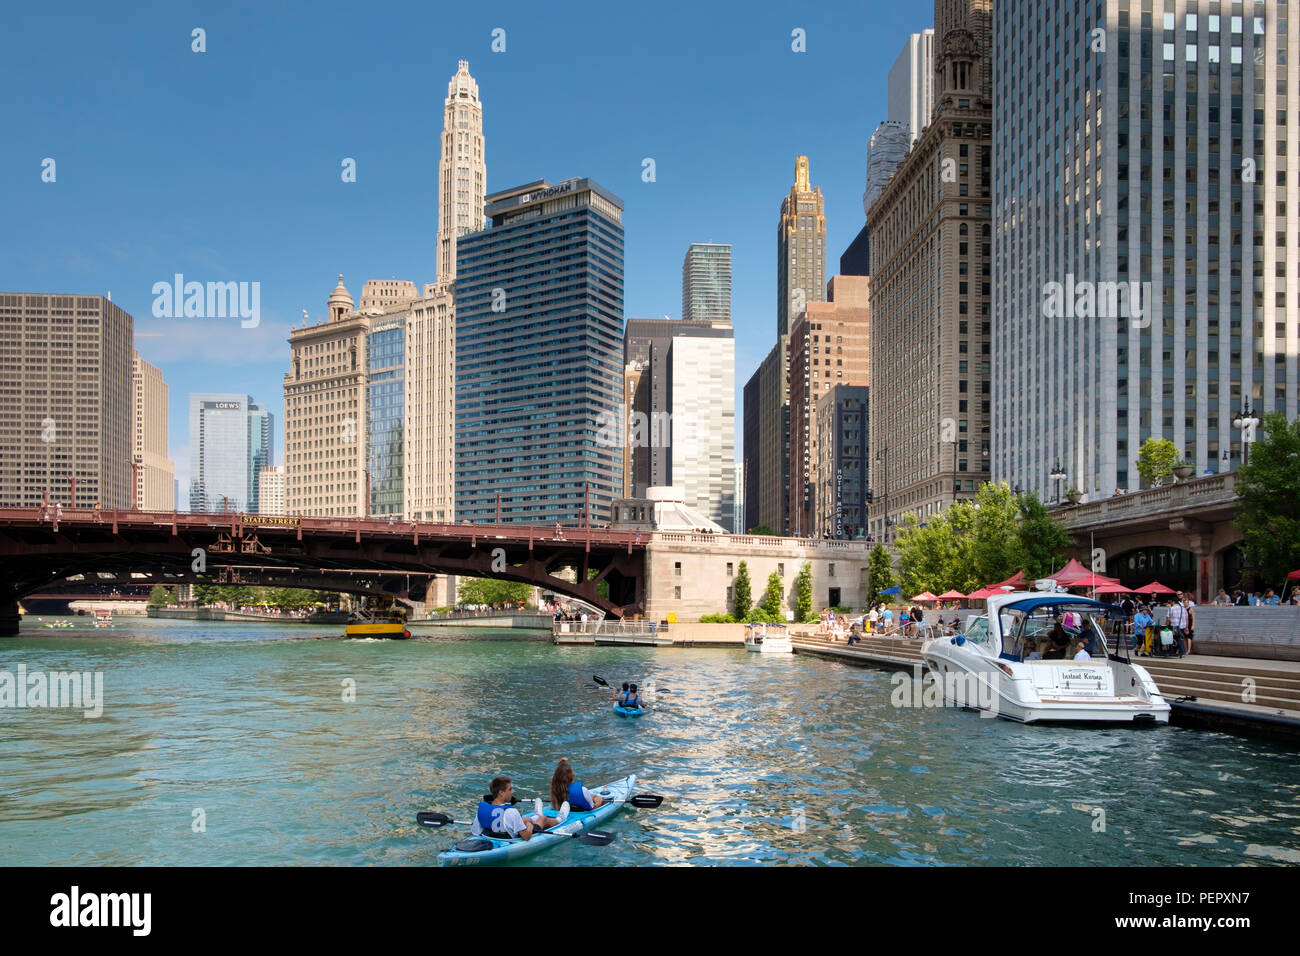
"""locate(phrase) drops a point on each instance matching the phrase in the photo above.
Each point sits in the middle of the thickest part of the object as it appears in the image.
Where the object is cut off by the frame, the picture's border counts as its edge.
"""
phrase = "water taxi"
(387, 621)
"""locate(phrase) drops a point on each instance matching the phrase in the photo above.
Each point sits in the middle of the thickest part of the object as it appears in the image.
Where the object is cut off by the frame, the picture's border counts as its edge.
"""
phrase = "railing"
(610, 627)
(1194, 492)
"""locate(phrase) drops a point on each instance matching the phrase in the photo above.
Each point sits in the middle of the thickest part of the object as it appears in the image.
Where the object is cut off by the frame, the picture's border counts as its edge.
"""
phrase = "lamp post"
(1247, 422)
(882, 458)
(1057, 476)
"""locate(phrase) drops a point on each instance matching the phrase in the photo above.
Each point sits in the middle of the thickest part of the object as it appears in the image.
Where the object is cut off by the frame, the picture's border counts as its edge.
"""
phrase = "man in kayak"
(621, 696)
(498, 818)
(568, 793)
(632, 700)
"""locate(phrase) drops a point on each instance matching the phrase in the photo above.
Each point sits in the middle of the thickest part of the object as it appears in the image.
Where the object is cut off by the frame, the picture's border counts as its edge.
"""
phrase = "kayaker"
(568, 793)
(498, 818)
(621, 696)
(632, 701)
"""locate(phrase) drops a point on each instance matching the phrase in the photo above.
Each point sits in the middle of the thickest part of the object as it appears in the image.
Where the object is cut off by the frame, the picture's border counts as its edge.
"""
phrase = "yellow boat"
(386, 622)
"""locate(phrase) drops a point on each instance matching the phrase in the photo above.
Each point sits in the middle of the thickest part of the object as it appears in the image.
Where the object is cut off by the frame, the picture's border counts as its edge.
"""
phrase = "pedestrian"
(1177, 619)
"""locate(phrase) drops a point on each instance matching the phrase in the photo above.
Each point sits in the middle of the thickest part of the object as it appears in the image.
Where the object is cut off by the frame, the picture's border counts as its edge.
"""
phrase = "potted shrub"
(1072, 495)
(1184, 469)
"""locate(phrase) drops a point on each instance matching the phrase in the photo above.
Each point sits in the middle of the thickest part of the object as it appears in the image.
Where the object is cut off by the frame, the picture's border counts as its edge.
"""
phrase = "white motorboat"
(1019, 661)
(768, 639)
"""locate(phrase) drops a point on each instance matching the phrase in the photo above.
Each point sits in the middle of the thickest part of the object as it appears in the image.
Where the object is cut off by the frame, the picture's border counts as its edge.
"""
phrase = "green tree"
(762, 529)
(160, 596)
(773, 598)
(1156, 460)
(492, 591)
(926, 553)
(880, 572)
(1268, 493)
(742, 598)
(1043, 540)
(996, 549)
(803, 596)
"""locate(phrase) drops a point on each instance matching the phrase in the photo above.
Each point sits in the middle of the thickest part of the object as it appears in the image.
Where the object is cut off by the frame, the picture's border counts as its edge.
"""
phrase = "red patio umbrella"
(1113, 589)
(1155, 587)
(954, 595)
(979, 595)
(924, 597)
(1293, 576)
(1016, 580)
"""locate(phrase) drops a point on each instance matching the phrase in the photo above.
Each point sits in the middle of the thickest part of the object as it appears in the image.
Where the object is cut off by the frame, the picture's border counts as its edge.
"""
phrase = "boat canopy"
(1029, 605)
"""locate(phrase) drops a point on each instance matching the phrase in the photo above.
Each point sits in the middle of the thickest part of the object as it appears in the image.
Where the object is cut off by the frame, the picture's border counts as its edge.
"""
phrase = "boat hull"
(1094, 692)
(393, 630)
(504, 851)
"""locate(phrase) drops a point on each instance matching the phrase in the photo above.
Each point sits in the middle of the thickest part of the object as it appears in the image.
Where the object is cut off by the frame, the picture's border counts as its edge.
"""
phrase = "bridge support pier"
(9, 618)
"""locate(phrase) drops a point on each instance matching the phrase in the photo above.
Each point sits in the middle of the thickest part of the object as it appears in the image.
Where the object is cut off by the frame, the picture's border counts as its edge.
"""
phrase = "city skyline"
(194, 220)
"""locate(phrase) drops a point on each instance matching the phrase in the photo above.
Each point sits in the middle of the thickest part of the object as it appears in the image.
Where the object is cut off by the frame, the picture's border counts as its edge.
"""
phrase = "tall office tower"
(749, 467)
(772, 455)
(270, 491)
(830, 345)
(886, 151)
(843, 462)
(386, 414)
(1146, 257)
(910, 91)
(65, 422)
(154, 473)
(632, 372)
(685, 411)
(800, 249)
(230, 444)
(325, 413)
(539, 356)
(462, 171)
(931, 252)
(706, 283)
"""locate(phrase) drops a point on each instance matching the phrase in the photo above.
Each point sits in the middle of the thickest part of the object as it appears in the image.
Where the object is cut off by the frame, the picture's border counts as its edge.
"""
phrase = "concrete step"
(1222, 665)
(1228, 683)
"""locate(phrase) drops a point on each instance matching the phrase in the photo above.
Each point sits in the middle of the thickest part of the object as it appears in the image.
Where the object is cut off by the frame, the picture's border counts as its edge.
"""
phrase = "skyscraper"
(462, 170)
(887, 149)
(931, 255)
(230, 442)
(539, 356)
(1145, 255)
(800, 249)
(706, 283)
(684, 411)
(65, 422)
(910, 92)
(155, 473)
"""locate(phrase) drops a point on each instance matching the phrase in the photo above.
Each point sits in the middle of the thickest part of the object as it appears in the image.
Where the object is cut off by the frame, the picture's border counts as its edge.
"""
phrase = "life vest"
(632, 702)
(490, 817)
(576, 800)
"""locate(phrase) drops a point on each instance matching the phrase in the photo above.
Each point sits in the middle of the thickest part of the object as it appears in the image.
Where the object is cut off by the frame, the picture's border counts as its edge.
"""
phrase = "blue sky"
(225, 165)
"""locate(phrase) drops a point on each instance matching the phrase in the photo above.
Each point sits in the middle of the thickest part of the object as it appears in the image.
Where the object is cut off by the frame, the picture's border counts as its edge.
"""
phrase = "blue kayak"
(628, 711)
(499, 851)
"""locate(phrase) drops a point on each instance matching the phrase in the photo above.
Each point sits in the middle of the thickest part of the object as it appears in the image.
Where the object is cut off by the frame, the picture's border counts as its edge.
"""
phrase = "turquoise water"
(762, 760)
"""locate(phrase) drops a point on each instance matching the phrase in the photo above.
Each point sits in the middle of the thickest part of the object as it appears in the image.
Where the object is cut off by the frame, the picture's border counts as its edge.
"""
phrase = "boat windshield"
(1054, 632)
(977, 630)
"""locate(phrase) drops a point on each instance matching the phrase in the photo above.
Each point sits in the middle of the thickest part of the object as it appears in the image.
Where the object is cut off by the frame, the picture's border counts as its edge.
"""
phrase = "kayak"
(628, 711)
(614, 794)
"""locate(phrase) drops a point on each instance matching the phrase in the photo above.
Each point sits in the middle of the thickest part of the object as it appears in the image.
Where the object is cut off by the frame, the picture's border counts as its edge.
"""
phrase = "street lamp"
(1247, 422)
(1057, 476)
(882, 458)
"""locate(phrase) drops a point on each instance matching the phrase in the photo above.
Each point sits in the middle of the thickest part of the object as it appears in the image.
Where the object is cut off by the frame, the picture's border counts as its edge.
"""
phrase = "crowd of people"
(1240, 598)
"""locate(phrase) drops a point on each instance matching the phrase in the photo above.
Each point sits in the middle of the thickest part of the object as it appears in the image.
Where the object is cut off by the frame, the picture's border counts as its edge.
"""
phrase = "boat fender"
(959, 640)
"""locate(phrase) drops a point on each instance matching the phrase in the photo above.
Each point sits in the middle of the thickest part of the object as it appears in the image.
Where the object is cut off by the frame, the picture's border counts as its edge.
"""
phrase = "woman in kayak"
(497, 817)
(632, 701)
(621, 696)
(568, 793)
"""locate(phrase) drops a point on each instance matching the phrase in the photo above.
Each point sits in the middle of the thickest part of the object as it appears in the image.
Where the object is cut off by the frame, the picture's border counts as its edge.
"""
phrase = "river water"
(234, 744)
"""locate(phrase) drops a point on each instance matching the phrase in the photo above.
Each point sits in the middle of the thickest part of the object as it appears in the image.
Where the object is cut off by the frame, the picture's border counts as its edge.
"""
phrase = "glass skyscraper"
(386, 413)
(231, 439)
(706, 283)
(539, 356)
(1145, 251)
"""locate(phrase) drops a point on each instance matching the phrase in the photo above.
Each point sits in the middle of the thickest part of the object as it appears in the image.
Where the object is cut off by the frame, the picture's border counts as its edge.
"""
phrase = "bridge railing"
(610, 627)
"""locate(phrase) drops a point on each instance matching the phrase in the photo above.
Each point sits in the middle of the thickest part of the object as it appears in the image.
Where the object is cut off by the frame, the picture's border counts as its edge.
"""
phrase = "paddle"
(428, 818)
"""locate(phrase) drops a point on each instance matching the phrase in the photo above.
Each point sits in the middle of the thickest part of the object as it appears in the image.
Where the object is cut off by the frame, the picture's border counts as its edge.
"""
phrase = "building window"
(677, 593)
(729, 569)
(780, 570)
(677, 568)
(832, 569)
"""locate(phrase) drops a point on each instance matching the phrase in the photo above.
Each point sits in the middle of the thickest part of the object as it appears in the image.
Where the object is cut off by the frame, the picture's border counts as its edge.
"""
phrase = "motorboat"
(768, 639)
(1021, 661)
(103, 617)
(387, 620)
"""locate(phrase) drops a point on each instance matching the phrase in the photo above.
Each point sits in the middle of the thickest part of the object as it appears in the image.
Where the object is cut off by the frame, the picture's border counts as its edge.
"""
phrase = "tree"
(742, 598)
(996, 550)
(1156, 460)
(803, 596)
(492, 591)
(762, 529)
(772, 597)
(880, 572)
(1042, 539)
(160, 596)
(1268, 493)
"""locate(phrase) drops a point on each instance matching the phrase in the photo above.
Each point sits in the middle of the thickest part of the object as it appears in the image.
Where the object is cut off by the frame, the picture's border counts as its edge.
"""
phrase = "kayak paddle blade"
(599, 681)
(646, 800)
(435, 820)
(596, 838)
